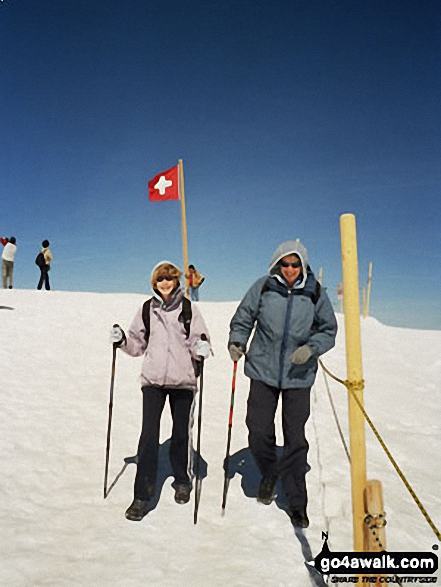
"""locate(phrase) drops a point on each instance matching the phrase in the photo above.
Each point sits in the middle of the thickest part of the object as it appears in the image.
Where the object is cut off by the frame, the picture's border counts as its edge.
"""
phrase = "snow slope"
(57, 530)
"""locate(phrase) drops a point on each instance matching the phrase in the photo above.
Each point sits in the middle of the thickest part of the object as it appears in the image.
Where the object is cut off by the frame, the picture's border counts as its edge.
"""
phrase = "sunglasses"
(164, 277)
(295, 265)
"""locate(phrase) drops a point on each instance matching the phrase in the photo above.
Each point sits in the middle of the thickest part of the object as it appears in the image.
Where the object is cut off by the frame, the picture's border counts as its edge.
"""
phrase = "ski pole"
(198, 446)
(230, 426)
(109, 422)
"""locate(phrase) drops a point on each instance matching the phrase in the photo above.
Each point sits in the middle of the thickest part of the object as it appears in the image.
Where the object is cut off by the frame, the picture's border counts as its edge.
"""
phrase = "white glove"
(117, 335)
(203, 348)
(301, 355)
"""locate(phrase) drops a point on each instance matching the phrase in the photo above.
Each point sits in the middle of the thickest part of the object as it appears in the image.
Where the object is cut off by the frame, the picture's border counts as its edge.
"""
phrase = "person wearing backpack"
(43, 261)
(294, 324)
(195, 280)
(170, 333)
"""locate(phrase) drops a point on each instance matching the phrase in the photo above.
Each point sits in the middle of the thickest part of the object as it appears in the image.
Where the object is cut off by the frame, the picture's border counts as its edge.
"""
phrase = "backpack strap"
(315, 295)
(146, 318)
(318, 290)
(184, 317)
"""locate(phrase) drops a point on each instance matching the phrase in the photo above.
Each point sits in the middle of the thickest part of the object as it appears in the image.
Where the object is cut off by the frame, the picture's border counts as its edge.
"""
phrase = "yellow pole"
(368, 297)
(354, 372)
(320, 275)
(184, 222)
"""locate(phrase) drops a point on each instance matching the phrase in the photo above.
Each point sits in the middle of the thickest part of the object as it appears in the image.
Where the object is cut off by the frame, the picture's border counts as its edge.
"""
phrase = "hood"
(289, 248)
(172, 303)
(161, 263)
(154, 292)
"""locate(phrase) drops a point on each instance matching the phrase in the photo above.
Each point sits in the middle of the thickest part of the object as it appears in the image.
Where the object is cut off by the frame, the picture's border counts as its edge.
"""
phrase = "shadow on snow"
(164, 471)
(242, 463)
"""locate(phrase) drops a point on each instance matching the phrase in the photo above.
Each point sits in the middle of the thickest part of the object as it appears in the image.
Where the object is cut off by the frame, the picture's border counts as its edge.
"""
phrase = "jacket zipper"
(285, 336)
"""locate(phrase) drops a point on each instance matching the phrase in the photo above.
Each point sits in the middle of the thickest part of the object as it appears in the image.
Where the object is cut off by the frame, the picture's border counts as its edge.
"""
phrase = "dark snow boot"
(182, 493)
(267, 489)
(299, 518)
(137, 510)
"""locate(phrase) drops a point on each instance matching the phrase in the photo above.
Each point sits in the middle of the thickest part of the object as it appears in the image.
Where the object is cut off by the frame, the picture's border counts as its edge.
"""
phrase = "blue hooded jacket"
(285, 319)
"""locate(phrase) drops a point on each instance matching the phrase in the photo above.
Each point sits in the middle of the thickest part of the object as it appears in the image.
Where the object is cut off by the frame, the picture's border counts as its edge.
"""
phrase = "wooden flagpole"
(184, 223)
(368, 297)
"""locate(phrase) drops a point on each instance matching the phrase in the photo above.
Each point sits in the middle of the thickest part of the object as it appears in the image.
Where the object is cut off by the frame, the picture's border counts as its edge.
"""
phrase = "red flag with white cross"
(165, 185)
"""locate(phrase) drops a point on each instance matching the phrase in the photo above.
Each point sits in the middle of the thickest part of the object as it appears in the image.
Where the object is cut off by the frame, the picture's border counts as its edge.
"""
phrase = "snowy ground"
(56, 528)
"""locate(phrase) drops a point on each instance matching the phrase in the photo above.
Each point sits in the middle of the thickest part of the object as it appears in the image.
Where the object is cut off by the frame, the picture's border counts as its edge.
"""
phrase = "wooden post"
(320, 275)
(368, 297)
(375, 521)
(184, 223)
(363, 300)
(351, 302)
(375, 524)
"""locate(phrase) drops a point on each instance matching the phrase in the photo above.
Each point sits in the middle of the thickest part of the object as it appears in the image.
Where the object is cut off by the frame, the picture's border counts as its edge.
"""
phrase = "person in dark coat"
(45, 266)
(294, 324)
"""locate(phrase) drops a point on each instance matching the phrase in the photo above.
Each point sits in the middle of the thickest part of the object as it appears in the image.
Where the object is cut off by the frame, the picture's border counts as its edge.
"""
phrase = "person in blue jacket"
(294, 324)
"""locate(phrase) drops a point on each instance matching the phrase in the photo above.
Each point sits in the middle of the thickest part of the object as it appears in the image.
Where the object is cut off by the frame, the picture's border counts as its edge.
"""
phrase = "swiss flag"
(165, 185)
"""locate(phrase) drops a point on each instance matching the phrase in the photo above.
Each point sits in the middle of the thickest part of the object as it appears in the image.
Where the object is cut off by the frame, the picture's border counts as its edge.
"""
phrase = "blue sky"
(287, 114)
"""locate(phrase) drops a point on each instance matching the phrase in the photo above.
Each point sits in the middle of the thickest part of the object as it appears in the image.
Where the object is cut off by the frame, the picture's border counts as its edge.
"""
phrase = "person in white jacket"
(171, 352)
(8, 257)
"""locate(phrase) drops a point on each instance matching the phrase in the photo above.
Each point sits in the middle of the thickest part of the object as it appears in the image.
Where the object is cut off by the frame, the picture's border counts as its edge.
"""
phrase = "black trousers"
(181, 401)
(293, 465)
(44, 278)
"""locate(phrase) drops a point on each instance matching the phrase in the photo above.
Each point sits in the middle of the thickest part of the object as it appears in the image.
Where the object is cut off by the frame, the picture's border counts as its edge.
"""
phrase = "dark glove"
(236, 351)
(301, 355)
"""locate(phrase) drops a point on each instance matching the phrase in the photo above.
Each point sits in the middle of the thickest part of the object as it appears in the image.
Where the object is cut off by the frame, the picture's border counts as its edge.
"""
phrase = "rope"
(334, 411)
(353, 386)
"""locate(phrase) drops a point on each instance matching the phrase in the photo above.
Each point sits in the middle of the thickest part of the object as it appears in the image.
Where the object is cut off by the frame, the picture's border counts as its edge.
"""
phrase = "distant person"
(294, 324)
(340, 296)
(171, 340)
(43, 261)
(195, 280)
(8, 257)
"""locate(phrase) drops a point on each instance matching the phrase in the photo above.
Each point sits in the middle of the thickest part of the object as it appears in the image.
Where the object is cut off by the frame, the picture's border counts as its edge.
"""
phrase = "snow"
(57, 530)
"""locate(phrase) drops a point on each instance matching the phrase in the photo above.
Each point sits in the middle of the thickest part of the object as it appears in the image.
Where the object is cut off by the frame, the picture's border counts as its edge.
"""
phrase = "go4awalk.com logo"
(390, 565)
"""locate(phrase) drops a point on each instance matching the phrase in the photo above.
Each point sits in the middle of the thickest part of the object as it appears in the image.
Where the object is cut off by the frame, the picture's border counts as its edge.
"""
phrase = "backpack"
(184, 317)
(40, 260)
